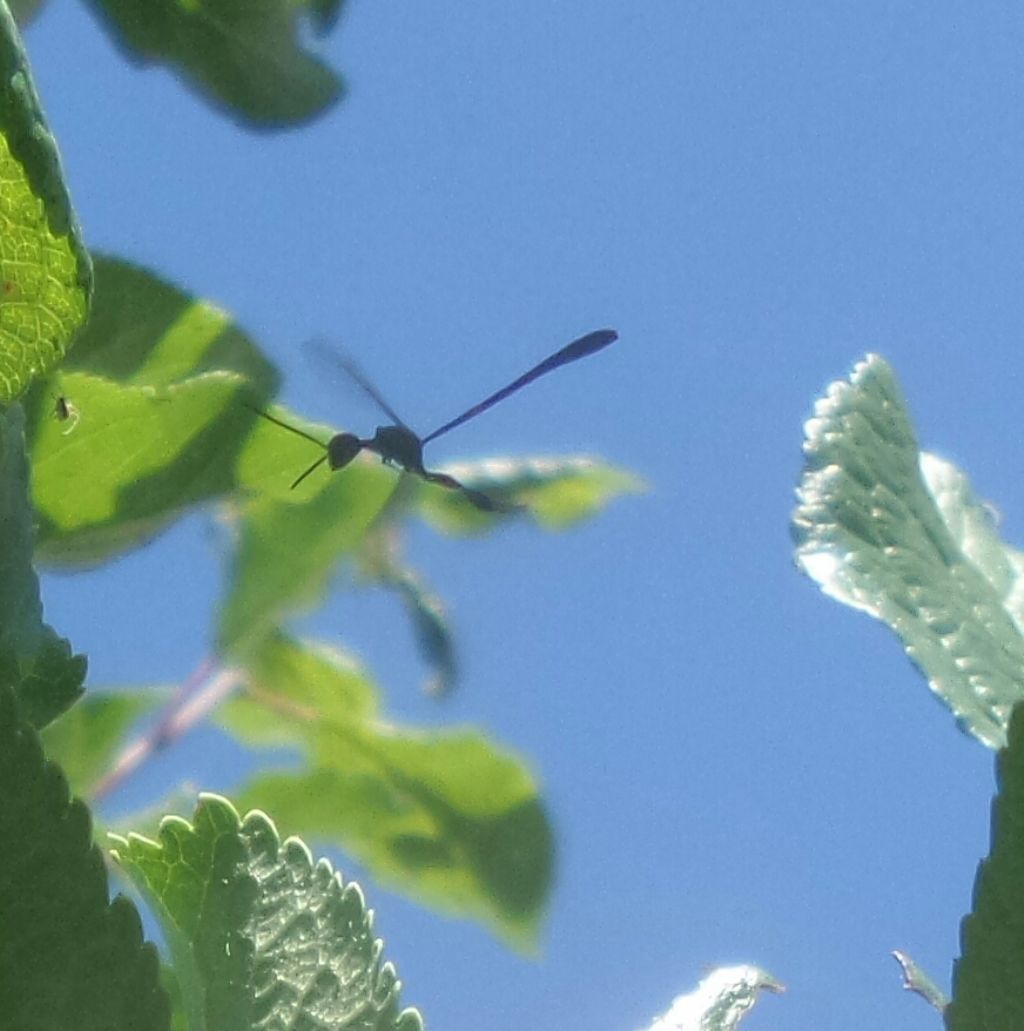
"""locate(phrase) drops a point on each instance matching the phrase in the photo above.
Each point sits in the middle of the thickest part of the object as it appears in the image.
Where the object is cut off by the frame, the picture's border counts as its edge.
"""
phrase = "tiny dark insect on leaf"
(65, 411)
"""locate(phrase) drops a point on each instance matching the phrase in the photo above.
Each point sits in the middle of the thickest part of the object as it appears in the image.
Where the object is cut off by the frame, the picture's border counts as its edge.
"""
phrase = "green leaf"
(899, 535)
(720, 1001)
(381, 562)
(69, 957)
(157, 424)
(169, 983)
(917, 981)
(86, 738)
(557, 492)
(54, 681)
(45, 272)
(37, 663)
(144, 331)
(299, 680)
(242, 55)
(136, 453)
(416, 834)
(446, 817)
(260, 935)
(433, 631)
(988, 978)
(289, 550)
(197, 882)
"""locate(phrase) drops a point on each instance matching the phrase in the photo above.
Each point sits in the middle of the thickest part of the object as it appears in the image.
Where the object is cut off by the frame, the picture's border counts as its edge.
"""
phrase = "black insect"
(65, 411)
(400, 446)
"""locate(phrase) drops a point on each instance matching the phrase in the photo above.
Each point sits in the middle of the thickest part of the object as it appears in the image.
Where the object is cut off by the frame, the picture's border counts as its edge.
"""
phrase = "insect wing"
(325, 353)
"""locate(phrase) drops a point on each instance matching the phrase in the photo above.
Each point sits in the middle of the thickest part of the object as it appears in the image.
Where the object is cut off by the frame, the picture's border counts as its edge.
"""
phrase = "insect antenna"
(316, 465)
(299, 433)
(285, 426)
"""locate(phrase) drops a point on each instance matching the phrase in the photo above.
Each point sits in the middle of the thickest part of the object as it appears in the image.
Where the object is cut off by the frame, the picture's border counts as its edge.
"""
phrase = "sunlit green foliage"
(898, 533)
(260, 935)
(243, 55)
(152, 415)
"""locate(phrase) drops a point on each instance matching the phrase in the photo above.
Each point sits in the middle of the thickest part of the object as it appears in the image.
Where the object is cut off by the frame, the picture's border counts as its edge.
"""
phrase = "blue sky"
(754, 196)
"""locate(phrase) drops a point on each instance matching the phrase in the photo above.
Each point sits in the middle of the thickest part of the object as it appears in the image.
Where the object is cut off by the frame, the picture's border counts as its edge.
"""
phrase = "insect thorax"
(398, 445)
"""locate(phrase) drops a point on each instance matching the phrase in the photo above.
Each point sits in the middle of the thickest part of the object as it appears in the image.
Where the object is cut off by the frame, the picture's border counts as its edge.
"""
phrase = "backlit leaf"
(899, 534)
(719, 1002)
(45, 272)
(261, 935)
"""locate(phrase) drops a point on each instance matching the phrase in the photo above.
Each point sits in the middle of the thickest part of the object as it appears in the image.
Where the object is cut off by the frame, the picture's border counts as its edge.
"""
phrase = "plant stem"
(199, 695)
